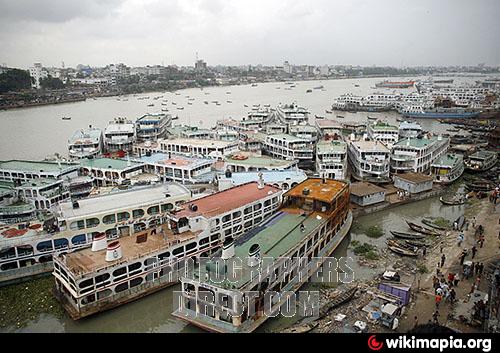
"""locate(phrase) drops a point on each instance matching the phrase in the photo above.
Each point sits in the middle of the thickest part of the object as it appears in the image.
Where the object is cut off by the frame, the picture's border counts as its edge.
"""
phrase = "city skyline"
(139, 33)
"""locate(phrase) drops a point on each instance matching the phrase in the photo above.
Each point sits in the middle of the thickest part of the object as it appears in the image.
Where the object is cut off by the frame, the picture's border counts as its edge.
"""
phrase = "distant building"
(287, 67)
(37, 72)
(200, 66)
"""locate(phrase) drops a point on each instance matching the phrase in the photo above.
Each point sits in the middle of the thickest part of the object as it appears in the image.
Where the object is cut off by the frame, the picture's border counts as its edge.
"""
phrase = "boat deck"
(87, 261)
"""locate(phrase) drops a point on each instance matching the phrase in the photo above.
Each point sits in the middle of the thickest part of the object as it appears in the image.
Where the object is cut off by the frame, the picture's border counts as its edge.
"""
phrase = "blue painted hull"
(434, 115)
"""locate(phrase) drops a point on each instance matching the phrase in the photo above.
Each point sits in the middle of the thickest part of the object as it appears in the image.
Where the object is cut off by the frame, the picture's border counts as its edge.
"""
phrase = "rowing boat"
(431, 224)
(404, 235)
(452, 202)
(401, 251)
(421, 229)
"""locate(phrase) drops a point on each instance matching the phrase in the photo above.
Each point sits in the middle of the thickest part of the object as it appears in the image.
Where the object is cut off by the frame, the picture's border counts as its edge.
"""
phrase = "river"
(37, 132)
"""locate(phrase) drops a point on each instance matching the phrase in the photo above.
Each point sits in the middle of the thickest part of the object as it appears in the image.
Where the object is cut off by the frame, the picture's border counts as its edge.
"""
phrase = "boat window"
(109, 219)
(137, 213)
(77, 225)
(247, 224)
(123, 216)
(166, 207)
(134, 266)
(267, 202)
(121, 287)
(103, 294)
(102, 278)
(150, 261)
(79, 239)
(203, 241)
(164, 256)
(214, 237)
(86, 283)
(45, 258)
(237, 214)
(135, 282)
(119, 271)
(9, 266)
(226, 218)
(190, 246)
(92, 222)
(257, 207)
(7, 253)
(178, 251)
(60, 243)
(44, 246)
(247, 210)
(153, 210)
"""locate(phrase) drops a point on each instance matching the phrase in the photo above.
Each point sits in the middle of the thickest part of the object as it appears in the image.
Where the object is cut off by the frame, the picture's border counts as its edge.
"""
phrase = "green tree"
(14, 80)
(51, 83)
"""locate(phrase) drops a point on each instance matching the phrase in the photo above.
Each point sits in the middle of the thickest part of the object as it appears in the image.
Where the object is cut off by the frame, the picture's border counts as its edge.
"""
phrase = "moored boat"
(421, 229)
(404, 235)
(430, 223)
(452, 202)
(314, 219)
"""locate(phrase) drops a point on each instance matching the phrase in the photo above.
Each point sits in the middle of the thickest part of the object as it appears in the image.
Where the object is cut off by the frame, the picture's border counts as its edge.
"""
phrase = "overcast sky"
(234, 32)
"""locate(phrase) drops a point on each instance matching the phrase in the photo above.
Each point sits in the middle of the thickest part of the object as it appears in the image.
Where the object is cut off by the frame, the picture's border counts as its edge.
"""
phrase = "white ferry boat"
(377, 102)
(256, 119)
(481, 161)
(409, 129)
(304, 131)
(331, 159)
(384, 133)
(119, 135)
(202, 148)
(369, 161)
(313, 220)
(111, 274)
(291, 114)
(152, 127)
(417, 154)
(284, 146)
(85, 143)
(447, 168)
(28, 249)
(283, 179)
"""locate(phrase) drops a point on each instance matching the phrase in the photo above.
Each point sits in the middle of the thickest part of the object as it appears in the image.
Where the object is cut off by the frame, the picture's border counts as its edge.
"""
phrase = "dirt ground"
(423, 304)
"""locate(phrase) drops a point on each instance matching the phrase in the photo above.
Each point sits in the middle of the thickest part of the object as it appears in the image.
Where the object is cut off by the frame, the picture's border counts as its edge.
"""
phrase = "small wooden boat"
(418, 244)
(453, 202)
(431, 224)
(304, 328)
(371, 118)
(421, 229)
(402, 251)
(402, 244)
(66, 118)
(340, 117)
(340, 299)
(403, 235)
(328, 111)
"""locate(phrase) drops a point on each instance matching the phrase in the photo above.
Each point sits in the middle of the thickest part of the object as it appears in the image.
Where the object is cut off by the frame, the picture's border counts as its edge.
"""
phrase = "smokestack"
(261, 181)
(114, 251)
(254, 255)
(228, 248)
(99, 242)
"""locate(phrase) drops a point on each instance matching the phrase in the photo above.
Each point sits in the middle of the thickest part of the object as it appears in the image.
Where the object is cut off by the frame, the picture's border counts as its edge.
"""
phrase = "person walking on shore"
(474, 250)
(443, 259)
(456, 279)
(460, 239)
(474, 222)
(435, 317)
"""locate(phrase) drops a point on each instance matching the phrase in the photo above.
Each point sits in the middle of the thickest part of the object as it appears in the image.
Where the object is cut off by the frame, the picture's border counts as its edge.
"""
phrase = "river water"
(34, 133)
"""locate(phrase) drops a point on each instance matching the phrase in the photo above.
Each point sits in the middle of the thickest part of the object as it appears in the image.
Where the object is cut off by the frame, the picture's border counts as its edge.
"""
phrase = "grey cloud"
(55, 10)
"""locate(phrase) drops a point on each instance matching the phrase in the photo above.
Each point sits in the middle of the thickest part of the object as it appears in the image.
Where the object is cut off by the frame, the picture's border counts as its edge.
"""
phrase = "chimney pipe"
(99, 242)
(114, 251)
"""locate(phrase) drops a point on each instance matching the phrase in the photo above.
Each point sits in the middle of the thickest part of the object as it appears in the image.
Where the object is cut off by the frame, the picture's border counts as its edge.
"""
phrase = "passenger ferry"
(288, 147)
(28, 248)
(481, 161)
(383, 132)
(372, 103)
(395, 84)
(417, 154)
(291, 114)
(447, 168)
(331, 159)
(369, 161)
(152, 127)
(408, 129)
(313, 220)
(85, 143)
(113, 273)
(256, 119)
(119, 135)
(418, 112)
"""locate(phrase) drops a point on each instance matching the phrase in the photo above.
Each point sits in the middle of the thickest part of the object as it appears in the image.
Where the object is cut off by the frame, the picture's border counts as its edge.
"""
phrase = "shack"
(365, 194)
(414, 183)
